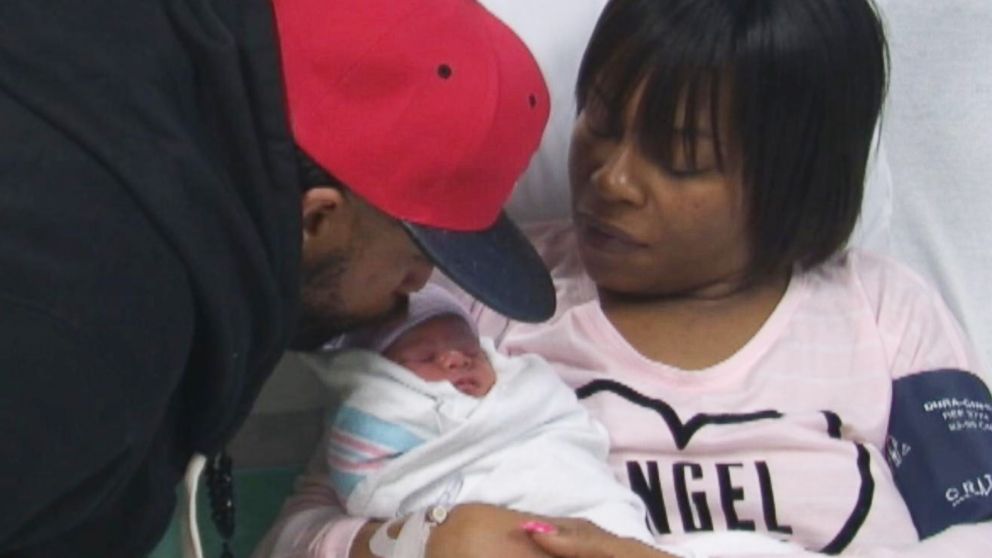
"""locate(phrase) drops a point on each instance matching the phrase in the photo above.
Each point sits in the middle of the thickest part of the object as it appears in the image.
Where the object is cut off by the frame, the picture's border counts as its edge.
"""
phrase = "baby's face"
(444, 349)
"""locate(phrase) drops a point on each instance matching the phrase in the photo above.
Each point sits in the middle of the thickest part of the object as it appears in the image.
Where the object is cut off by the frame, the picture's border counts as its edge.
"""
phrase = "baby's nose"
(453, 359)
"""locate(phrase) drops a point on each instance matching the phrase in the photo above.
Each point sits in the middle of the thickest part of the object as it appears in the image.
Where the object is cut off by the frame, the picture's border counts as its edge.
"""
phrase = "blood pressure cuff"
(940, 448)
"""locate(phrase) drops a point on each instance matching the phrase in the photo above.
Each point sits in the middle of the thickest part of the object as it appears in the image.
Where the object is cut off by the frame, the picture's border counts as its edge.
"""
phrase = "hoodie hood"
(150, 252)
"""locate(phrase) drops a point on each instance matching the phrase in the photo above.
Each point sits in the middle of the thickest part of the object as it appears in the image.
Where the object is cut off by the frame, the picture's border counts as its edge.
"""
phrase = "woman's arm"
(312, 523)
(580, 539)
(939, 438)
(470, 531)
(484, 531)
(360, 543)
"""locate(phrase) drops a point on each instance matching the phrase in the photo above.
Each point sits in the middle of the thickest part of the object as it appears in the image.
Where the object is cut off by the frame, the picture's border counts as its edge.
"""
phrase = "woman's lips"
(606, 238)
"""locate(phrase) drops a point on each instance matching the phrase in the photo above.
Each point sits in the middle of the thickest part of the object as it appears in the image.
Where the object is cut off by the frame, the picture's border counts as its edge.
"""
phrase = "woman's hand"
(360, 544)
(484, 531)
(470, 531)
(578, 538)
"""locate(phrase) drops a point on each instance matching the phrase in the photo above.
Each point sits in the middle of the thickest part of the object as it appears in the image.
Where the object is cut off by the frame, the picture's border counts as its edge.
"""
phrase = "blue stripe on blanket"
(344, 483)
(371, 429)
(360, 443)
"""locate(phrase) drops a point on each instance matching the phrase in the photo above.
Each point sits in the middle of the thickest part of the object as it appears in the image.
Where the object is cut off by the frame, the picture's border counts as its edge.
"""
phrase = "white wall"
(937, 131)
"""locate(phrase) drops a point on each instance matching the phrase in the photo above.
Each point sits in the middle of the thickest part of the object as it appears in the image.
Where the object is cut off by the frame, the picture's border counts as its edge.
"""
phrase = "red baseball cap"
(430, 110)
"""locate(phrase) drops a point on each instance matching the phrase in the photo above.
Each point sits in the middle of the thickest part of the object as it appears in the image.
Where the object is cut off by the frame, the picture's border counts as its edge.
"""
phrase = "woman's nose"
(614, 179)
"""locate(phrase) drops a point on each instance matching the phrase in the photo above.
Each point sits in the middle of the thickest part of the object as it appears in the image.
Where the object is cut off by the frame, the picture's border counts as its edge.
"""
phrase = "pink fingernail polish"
(539, 527)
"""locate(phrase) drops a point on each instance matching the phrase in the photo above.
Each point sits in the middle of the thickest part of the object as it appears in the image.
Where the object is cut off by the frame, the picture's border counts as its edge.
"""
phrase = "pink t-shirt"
(790, 435)
(850, 424)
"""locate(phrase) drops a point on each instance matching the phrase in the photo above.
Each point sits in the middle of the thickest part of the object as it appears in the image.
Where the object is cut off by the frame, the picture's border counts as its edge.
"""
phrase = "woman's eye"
(684, 173)
(602, 127)
(682, 167)
(602, 132)
(597, 120)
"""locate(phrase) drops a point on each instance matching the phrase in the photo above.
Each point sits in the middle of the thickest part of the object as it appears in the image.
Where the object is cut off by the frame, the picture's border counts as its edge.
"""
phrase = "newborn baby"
(430, 414)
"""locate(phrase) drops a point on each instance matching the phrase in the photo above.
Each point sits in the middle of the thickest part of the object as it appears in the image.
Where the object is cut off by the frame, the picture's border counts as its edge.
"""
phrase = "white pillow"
(937, 134)
(556, 31)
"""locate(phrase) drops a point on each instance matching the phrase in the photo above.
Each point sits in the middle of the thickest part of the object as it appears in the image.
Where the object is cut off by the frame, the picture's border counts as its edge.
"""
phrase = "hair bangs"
(610, 75)
(671, 74)
(678, 109)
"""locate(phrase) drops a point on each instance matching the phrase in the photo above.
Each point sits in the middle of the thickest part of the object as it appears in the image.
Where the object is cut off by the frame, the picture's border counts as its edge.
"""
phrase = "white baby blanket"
(398, 444)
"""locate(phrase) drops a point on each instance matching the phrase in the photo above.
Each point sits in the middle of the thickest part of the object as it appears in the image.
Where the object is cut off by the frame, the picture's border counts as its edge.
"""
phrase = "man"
(153, 156)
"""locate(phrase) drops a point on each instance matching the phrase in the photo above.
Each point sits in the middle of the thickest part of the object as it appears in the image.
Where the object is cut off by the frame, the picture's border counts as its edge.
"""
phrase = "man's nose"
(416, 277)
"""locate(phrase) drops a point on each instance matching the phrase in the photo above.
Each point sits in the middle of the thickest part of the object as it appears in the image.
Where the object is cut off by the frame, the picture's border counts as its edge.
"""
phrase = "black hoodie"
(149, 252)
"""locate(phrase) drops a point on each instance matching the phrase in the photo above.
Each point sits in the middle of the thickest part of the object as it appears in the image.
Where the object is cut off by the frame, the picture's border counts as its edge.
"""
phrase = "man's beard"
(322, 311)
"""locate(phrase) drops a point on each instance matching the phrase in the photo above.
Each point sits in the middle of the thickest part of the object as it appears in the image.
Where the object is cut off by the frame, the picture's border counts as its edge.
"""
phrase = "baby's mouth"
(467, 385)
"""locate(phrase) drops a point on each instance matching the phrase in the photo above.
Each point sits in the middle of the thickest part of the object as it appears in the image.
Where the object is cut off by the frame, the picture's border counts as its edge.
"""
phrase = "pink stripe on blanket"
(369, 449)
(344, 465)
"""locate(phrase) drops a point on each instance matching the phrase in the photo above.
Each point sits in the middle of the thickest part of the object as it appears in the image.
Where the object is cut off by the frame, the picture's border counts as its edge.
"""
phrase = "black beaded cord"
(220, 487)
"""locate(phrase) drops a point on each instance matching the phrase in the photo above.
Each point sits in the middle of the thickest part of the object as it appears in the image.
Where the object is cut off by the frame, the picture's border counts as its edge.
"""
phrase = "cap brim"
(498, 266)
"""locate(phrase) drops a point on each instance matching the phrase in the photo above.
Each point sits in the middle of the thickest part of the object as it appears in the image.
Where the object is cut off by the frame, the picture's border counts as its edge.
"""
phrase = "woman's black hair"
(805, 81)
